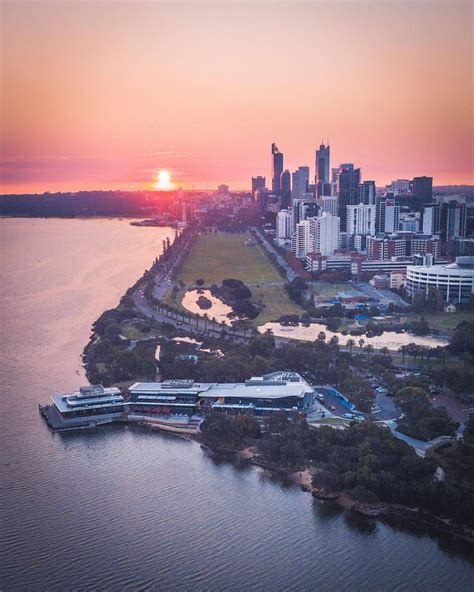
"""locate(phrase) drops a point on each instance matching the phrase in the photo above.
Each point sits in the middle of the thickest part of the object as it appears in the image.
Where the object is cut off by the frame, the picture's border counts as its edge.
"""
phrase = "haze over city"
(154, 86)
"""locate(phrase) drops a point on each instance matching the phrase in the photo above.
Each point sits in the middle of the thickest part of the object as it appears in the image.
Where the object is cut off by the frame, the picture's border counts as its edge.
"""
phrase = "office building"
(431, 219)
(277, 169)
(322, 178)
(347, 188)
(257, 183)
(285, 189)
(300, 181)
(422, 189)
(367, 193)
(400, 188)
(388, 216)
(383, 248)
(361, 219)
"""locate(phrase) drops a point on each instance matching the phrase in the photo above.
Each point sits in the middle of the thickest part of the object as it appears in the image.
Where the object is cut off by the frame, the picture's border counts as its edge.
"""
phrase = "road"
(290, 274)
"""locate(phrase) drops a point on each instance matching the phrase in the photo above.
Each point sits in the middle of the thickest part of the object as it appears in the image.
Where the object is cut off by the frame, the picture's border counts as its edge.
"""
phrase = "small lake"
(218, 310)
(389, 339)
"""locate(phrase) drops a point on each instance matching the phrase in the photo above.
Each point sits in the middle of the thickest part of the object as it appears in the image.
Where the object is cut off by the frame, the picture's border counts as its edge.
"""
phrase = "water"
(121, 508)
(218, 309)
(389, 339)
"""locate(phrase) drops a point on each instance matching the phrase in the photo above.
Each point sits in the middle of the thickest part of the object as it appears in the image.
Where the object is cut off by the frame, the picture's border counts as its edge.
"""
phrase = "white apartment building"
(284, 224)
(325, 230)
(361, 219)
(301, 240)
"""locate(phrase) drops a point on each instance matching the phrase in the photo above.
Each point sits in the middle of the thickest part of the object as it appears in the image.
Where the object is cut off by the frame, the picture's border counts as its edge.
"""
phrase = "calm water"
(389, 339)
(126, 509)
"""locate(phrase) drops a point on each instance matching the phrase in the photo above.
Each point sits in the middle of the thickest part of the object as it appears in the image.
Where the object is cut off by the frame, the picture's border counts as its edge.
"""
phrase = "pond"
(218, 310)
(389, 339)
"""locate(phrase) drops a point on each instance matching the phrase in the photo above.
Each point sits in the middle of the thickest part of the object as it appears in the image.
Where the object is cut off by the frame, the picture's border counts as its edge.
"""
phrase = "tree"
(350, 344)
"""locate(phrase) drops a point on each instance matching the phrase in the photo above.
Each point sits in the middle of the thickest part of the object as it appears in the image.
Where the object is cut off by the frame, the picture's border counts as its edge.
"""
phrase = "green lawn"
(215, 257)
(446, 322)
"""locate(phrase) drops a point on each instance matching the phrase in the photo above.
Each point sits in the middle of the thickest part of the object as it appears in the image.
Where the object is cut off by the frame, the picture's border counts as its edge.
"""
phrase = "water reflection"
(218, 309)
(389, 339)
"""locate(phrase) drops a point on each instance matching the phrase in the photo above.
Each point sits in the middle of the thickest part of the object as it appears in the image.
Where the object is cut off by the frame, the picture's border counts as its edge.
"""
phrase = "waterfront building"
(455, 281)
(324, 234)
(278, 391)
(277, 169)
(87, 406)
(361, 219)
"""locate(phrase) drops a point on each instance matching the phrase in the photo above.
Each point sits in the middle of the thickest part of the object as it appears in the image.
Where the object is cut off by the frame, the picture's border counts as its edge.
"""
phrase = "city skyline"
(109, 107)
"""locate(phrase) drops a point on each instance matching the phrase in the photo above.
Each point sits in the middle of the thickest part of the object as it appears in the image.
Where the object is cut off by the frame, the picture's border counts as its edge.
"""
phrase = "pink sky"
(105, 94)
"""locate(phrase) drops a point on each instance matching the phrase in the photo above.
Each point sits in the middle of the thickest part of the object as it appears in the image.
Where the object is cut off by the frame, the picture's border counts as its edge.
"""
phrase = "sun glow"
(163, 181)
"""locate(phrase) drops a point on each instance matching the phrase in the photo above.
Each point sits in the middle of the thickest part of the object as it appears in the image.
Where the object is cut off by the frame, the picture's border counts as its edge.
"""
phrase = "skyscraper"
(367, 193)
(348, 179)
(422, 189)
(277, 169)
(361, 219)
(324, 231)
(388, 216)
(257, 183)
(285, 188)
(300, 183)
(322, 178)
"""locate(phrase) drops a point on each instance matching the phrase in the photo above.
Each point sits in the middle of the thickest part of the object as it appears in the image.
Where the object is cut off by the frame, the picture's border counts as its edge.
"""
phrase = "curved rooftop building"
(455, 281)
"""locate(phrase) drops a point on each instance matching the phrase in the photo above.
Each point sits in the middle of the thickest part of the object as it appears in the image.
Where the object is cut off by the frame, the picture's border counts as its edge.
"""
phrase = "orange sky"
(104, 94)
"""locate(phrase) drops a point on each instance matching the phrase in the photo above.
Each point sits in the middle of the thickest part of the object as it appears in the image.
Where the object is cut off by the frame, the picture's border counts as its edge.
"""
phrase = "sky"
(103, 95)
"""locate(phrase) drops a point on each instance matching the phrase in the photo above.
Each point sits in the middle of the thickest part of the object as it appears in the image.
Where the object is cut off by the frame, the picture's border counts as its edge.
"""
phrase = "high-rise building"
(300, 180)
(361, 219)
(422, 189)
(348, 180)
(452, 221)
(367, 193)
(328, 203)
(284, 224)
(277, 169)
(324, 231)
(322, 176)
(430, 219)
(257, 183)
(388, 216)
(300, 241)
(285, 188)
(400, 187)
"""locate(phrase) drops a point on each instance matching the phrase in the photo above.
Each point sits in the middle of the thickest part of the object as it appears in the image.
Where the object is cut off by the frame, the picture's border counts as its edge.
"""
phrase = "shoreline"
(382, 511)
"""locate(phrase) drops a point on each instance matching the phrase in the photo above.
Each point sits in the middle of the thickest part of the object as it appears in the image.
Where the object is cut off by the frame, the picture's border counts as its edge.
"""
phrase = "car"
(320, 397)
(332, 408)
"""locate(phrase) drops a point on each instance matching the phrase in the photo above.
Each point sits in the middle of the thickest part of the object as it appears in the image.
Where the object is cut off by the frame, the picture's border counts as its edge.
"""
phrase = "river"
(122, 508)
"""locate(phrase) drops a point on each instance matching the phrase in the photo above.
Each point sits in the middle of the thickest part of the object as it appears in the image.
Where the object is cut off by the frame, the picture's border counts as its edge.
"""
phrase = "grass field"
(215, 257)
(447, 322)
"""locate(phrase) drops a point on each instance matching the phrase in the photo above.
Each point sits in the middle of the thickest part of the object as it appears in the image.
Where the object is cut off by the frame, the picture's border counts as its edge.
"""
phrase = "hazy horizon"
(102, 95)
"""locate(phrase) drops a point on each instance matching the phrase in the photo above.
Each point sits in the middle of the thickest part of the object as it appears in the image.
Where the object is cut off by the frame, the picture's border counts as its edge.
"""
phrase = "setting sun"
(163, 181)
